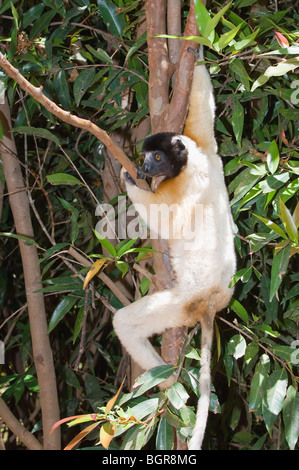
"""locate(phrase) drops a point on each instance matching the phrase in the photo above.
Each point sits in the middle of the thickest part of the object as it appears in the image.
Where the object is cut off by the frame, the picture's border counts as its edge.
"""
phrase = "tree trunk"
(42, 353)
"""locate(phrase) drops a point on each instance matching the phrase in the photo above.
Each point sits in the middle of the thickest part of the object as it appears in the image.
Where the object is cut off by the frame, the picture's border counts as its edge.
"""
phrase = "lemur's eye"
(157, 157)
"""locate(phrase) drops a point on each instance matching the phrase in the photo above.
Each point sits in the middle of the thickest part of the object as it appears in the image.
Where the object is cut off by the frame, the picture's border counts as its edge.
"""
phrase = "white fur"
(203, 264)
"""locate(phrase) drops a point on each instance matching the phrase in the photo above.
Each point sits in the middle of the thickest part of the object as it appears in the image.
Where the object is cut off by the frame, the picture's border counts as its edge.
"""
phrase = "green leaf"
(42, 23)
(63, 178)
(288, 222)
(296, 215)
(292, 114)
(153, 377)
(105, 243)
(202, 16)
(164, 439)
(125, 247)
(274, 397)
(237, 346)
(259, 82)
(115, 21)
(282, 68)
(145, 408)
(82, 83)
(272, 226)
(32, 14)
(248, 41)
(267, 329)
(251, 351)
(284, 352)
(197, 39)
(177, 395)
(28, 241)
(211, 25)
(237, 66)
(122, 266)
(229, 364)
(193, 354)
(226, 38)
(173, 419)
(238, 121)
(78, 323)
(243, 437)
(290, 413)
(73, 219)
(277, 70)
(258, 382)
(273, 157)
(48, 253)
(15, 15)
(99, 54)
(38, 132)
(279, 267)
(61, 310)
(31, 382)
(62, 90)
(239, 309)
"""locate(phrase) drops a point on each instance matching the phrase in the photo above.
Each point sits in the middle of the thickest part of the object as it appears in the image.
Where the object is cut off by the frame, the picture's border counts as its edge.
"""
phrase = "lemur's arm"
(200, 120)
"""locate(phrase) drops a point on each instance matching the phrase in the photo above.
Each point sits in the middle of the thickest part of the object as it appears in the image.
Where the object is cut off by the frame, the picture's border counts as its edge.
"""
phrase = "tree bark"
(25, 436)
(42, 353)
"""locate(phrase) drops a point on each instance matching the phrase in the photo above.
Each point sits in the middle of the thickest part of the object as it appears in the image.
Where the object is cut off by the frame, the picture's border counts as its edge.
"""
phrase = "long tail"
(204, 386)
(200, 120)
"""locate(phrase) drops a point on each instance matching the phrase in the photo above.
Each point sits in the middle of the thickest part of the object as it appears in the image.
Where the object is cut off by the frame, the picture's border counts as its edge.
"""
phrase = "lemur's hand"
(124, 176)
(140, 174)
(129, 178)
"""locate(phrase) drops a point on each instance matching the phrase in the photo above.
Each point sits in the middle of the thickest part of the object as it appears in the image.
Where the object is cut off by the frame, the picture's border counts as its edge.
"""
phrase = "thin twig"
(83, 331)
(268, 351)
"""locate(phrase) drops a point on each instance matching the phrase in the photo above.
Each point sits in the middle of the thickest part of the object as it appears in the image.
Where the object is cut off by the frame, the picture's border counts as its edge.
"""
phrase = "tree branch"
(177, 111)
(36, 93)
(168, 115)
(174, 29)
(160, 67)
(109, 283)
(25, 436)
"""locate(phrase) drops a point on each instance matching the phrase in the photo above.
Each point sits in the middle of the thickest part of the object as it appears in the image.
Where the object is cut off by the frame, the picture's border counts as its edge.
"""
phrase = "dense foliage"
(91, 58)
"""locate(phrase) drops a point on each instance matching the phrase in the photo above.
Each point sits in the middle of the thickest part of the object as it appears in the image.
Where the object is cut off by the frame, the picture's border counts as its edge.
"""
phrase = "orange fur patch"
(204, 307)
(191, 131)
(173, 190)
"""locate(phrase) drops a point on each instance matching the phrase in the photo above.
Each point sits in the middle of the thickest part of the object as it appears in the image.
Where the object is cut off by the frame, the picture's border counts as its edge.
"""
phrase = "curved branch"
(25, 436)
(36, 93)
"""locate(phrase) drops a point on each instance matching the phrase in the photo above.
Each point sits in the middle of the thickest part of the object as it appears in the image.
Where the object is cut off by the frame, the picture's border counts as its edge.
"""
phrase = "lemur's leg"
(150, 315)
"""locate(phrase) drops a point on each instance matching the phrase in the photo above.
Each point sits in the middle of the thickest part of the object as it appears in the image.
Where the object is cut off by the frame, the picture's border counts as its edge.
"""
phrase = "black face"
(163, 156)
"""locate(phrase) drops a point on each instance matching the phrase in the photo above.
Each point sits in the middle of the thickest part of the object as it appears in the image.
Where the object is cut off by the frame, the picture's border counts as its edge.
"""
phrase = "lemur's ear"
(179, 144)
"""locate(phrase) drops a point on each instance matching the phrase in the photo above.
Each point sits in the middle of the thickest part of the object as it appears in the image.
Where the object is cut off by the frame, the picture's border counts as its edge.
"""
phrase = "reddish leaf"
(111, 402)
(282, 40)
(64, 420)
(81, 436)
